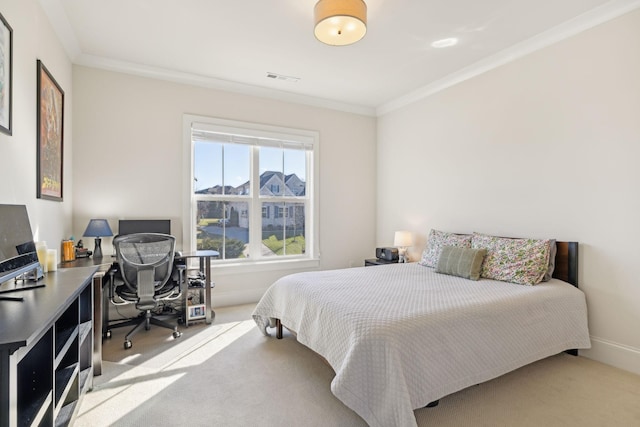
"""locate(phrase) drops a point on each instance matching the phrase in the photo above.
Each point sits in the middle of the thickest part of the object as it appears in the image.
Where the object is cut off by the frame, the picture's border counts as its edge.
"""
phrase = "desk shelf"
(38, 412)
(35, 383)
(45, 373)
(204, 291)
(66, 384)
(195, 311)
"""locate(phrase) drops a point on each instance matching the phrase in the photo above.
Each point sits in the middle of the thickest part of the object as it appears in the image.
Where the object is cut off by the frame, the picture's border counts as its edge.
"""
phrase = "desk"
(100, 317)
(101, 304)
(46, 350)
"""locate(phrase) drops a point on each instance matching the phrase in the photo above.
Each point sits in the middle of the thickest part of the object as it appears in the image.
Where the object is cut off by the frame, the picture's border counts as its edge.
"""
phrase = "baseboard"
(614, 354)
(224, 299)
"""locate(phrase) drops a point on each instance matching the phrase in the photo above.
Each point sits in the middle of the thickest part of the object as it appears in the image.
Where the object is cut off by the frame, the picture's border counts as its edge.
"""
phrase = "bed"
(402, 336)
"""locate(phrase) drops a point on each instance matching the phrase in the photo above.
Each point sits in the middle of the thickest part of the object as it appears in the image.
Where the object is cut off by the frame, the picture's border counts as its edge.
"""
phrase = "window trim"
(308, 137)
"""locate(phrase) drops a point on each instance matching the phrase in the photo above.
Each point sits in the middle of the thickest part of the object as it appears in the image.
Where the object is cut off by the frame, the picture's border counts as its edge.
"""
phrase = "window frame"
(309, 138)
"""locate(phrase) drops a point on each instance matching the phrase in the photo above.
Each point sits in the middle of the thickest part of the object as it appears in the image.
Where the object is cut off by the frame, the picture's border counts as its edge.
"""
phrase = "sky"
(208, 165)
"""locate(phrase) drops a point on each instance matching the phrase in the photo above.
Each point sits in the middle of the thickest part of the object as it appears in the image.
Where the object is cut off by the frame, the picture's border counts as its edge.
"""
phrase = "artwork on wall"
(6, 77)
(50, 135)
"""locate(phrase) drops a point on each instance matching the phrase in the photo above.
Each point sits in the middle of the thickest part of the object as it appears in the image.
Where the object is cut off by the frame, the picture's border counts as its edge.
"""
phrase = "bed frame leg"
(433, 404)
(278, 329)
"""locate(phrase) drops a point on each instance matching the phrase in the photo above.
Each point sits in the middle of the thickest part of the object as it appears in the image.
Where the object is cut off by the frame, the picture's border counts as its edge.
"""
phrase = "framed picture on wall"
(50, 135)
(6, 76)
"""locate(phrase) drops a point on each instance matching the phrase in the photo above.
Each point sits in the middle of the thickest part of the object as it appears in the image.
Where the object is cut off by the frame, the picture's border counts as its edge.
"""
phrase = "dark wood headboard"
(567, 262)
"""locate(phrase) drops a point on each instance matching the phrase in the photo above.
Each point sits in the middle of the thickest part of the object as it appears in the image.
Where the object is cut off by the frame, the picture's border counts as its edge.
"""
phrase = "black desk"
(101, 303)
(204, 265)
(45, 349)
(100, 308)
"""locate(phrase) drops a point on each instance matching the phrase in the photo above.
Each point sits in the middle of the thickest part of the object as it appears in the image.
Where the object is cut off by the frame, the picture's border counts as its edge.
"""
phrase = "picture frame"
(50, 138)
(6, 76)
(197, 311)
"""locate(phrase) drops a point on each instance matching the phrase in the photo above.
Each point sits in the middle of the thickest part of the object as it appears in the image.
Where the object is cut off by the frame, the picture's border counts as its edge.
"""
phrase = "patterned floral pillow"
(438, 239)
(522, 261)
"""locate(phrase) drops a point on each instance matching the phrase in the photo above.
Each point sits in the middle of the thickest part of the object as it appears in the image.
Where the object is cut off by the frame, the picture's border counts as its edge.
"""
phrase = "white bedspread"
(401, 336)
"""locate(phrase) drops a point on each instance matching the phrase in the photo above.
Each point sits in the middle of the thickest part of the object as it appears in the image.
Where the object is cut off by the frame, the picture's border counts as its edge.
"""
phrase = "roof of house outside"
(293, 185)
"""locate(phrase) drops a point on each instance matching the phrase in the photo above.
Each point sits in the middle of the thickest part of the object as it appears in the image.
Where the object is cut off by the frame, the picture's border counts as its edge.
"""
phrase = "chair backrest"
(146, 263)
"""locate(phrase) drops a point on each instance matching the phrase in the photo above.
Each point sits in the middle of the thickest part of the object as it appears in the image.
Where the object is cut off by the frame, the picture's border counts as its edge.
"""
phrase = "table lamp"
(402, 240)
(98, 228)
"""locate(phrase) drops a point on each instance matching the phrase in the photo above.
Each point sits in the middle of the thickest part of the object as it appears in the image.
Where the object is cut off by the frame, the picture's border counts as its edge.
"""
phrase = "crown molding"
(60, 23)
(61, 26)
(583, 22)
(610, 10)
(218, 84)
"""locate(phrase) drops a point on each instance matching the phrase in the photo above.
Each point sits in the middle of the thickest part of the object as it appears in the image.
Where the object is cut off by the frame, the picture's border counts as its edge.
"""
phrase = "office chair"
(145, 264)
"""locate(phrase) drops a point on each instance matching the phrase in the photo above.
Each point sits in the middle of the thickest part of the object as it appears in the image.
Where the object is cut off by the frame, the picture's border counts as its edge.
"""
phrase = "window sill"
(259, 266)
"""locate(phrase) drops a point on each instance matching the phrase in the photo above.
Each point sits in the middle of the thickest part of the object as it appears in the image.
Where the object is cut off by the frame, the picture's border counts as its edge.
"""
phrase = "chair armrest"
(112, 289)
(181, 269)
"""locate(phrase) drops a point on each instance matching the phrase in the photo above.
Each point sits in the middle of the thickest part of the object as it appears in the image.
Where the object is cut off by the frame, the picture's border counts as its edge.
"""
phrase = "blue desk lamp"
(98, 228)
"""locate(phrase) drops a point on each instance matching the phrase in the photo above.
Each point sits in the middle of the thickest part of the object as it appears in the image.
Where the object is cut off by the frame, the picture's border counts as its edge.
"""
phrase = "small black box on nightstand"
(387, 254)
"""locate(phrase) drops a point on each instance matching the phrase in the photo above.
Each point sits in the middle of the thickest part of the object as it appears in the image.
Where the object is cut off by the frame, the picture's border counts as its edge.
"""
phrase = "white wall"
(128, 163)
(34, 39)
(546, 146)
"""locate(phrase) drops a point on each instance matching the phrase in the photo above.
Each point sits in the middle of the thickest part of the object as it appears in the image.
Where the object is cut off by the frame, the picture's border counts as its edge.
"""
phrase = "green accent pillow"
(461, 262)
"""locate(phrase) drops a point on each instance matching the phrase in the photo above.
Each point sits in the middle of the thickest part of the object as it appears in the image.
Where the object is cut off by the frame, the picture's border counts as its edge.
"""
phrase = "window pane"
(283, 233)
(295, 171)
(236, 168)
(221, 168)
(271, 179)
(207, 167)
(223, 227)
(282, 172)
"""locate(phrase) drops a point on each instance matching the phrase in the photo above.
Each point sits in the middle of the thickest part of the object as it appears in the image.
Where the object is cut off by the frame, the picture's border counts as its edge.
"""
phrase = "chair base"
(147, 320)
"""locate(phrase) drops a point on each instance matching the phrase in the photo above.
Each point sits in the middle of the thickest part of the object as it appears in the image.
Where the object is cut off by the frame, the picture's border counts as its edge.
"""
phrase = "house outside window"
(240, 173)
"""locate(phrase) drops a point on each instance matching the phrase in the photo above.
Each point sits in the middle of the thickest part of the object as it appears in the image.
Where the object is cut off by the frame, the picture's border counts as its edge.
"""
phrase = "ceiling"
(234, 44)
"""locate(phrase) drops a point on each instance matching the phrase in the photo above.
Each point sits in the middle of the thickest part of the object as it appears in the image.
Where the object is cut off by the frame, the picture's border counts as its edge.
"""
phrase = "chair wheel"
(177, 334)
(127, 345)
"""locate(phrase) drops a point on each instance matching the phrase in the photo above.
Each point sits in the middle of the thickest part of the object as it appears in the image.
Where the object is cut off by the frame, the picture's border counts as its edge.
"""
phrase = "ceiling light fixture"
(340, 22)
(451, 41)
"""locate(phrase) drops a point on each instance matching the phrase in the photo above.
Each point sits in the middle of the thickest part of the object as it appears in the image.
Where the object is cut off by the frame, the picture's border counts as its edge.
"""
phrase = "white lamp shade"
(340, 22)
(403, 239)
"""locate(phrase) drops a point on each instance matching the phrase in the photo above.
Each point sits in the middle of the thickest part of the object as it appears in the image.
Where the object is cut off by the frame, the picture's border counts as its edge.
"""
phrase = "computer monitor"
(130, 226)
(17, 249)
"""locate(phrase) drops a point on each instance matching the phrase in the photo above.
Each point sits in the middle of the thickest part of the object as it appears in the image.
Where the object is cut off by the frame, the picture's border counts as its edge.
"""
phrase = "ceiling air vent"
(283, 78)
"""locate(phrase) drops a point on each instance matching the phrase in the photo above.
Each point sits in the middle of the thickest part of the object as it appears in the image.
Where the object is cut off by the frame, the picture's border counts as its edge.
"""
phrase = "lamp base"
(402, 255)
(97, 251)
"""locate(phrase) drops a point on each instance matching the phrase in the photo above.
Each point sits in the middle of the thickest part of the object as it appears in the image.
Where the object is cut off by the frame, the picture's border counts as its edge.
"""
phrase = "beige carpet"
(229, 374)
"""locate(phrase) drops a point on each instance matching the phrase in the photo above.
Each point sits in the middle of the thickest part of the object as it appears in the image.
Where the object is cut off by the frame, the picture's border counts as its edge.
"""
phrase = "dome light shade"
(340, 22)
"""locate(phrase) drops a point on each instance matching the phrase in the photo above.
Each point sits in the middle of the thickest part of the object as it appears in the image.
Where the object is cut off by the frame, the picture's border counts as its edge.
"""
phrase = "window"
(252, 190)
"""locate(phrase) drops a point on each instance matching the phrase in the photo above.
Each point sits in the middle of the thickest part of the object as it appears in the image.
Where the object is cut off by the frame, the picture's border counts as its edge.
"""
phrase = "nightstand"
(376, 261)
